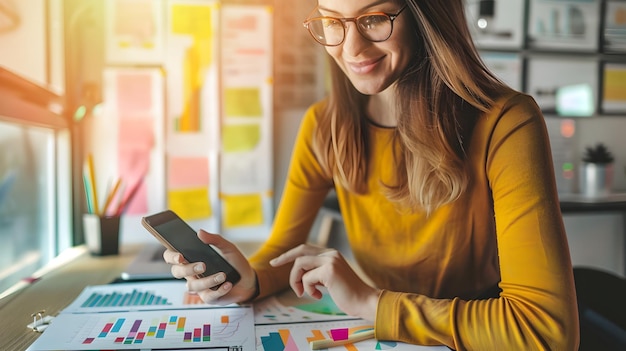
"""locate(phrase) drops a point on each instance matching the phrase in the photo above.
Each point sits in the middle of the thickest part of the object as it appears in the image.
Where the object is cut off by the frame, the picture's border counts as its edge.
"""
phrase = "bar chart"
(133, 298)
(207, 328)
(157, 329)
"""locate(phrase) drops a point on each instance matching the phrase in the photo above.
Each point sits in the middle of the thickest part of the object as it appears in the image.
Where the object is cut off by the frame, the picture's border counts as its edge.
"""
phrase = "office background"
(34, 42)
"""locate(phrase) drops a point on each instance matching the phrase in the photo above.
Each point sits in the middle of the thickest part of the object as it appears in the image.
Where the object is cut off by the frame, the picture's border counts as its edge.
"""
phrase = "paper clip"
(40, 322)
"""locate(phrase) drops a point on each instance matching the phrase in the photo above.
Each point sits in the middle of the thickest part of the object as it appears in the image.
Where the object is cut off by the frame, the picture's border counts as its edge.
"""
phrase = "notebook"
(148, 264)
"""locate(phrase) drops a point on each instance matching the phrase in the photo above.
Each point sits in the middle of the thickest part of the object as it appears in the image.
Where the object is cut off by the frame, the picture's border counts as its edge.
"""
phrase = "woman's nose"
(354, 42)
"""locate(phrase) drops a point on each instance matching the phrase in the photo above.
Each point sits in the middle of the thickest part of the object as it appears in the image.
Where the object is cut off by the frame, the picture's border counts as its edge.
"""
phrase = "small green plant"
(598, 153)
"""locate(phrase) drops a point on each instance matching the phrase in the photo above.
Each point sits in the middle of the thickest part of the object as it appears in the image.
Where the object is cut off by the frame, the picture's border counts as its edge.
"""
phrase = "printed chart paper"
(228, 327)
(285, 322)
(163, 316)
(287, 308)
(135, 296)
(296, 337)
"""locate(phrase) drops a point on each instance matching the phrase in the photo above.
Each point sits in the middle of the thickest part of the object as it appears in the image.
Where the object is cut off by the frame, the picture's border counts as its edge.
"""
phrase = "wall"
(26, 60)
(35, 52)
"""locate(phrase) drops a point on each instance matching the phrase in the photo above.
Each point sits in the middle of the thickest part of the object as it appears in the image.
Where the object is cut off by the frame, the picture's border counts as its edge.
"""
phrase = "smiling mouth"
(364, 67)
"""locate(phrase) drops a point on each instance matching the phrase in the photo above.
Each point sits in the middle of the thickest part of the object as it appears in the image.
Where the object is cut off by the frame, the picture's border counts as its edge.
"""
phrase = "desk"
(58, 287)
(54, 291)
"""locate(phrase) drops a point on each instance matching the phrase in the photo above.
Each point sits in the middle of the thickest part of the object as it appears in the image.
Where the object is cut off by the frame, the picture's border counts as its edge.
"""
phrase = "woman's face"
(371, 66)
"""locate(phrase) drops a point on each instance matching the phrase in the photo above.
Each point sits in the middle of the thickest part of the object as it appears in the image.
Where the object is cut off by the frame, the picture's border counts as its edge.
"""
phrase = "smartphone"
(173, 232)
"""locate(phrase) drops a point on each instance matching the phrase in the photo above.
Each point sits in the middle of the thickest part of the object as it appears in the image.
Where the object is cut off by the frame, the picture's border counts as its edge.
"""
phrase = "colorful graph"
(285, 309)
(297, 336)
(157, 329)
(134, 298)
(165, 329)
(325, 305)
(280, 340)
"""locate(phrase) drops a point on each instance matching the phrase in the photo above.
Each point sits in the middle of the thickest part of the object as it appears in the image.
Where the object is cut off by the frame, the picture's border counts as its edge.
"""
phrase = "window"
(35, 182)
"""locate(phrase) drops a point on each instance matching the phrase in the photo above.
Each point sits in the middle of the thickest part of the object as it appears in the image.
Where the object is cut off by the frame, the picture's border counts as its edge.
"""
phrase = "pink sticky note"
(339, 334)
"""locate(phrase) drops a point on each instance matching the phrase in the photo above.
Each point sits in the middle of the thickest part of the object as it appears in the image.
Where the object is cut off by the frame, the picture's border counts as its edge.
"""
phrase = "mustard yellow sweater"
(505, 230)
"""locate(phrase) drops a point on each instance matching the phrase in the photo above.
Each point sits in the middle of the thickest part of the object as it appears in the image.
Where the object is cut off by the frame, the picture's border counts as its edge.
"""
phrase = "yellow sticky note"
(192, 20)
(242, 210)
(190, 204)
(243, 102)
(240, 137)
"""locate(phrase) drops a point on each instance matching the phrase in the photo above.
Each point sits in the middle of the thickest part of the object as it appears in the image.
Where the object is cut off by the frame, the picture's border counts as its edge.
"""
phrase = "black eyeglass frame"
(343, 21)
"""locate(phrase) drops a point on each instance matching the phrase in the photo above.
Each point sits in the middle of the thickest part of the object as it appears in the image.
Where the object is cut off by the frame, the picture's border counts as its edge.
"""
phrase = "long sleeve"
(513, 182)
(305, 188)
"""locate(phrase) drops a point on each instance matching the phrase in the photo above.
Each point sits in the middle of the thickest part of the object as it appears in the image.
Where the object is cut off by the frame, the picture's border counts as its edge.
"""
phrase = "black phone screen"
(185, 240)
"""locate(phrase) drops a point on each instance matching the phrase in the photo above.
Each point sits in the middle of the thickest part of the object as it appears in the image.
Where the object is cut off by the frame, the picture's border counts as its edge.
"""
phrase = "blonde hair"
(441, 95)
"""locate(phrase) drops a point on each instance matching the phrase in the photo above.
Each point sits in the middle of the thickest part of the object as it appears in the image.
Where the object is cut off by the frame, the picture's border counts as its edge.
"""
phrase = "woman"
(446, 186)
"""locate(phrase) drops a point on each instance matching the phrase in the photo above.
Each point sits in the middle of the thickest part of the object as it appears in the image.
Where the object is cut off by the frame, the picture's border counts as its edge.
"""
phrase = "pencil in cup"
(356, 337)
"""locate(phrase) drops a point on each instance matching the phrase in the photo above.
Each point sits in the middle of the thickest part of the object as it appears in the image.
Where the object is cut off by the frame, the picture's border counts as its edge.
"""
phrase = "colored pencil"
(87, 187)
(356, 337)
(94, 187)
(111, 195)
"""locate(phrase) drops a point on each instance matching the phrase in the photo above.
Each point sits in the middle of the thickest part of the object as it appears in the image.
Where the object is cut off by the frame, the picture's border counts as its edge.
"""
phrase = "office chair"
(601, 309)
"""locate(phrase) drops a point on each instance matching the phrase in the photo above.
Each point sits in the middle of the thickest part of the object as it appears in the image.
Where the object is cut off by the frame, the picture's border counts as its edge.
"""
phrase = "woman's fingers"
(305, 276)
(214, 289)
(189, 270)
(173, 257)
(212, 292)
(298, 251)
(211, 282)
(180, 268)
(307, 273)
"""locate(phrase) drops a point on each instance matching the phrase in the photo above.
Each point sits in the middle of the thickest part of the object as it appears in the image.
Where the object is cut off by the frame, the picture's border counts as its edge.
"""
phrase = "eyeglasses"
(331, 31)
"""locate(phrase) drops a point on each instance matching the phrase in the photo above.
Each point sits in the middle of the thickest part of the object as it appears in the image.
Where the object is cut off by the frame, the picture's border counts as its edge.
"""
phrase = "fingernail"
(226, 286)
(198, 268)
(220, 278)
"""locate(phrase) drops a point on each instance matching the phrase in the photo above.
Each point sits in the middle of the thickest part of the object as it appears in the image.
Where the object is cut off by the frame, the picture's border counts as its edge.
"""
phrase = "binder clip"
(40, 322)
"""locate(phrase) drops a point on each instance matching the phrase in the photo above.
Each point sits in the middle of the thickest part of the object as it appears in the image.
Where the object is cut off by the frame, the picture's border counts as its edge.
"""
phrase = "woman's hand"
(314, 266)
(227, 293)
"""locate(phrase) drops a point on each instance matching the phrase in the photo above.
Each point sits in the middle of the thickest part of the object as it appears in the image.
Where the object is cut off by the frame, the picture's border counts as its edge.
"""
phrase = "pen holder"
(102, 234)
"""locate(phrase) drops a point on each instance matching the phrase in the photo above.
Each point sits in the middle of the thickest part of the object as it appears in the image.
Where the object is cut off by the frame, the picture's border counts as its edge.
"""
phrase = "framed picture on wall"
(134, 32)
(564, 25)
(496, 24)
(614, 39)
(563, 87)
(613, 92)
(506, 66)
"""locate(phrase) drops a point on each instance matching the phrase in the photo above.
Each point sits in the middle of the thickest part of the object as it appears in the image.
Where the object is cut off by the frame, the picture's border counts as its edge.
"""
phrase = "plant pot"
(595, 179)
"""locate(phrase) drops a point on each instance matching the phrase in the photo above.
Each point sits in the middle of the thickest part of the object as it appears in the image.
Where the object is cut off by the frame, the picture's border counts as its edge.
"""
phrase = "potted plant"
(596, 171)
